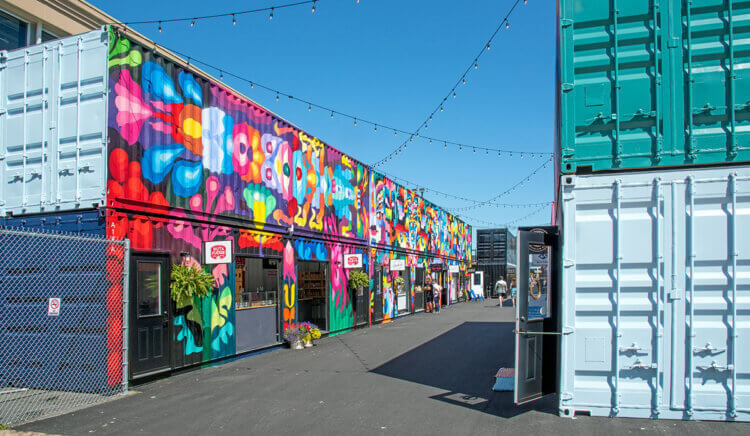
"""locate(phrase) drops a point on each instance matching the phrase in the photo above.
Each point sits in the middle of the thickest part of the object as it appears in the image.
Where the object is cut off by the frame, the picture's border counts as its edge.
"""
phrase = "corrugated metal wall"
(53, 109)
(656, 281)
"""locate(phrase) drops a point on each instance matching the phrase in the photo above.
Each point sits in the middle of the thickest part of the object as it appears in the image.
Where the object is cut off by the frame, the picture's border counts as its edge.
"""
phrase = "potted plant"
(399, 283)
(309, 332)
(188, 281)
(294, 337)
(358, 279)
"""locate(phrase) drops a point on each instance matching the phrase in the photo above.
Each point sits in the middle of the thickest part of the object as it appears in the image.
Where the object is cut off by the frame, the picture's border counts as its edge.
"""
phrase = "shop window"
(256, 282)
(13, 32)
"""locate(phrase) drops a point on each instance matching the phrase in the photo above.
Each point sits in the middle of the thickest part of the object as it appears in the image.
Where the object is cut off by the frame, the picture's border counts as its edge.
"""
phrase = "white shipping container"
(53, 125)
(656, 292)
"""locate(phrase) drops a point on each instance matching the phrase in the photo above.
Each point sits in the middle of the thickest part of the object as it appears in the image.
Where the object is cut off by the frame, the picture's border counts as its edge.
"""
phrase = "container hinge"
(2, 111)
(565, 87)
(566, 396)
(715, 367)
(673, 42)
(568, 330)
(674, 295)
(568, 263)
(566, 22)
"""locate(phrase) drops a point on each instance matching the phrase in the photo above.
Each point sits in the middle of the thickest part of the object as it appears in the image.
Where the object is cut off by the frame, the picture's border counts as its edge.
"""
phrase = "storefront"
(313, 295)
(419, 276)
(256, 300)
(402, 286)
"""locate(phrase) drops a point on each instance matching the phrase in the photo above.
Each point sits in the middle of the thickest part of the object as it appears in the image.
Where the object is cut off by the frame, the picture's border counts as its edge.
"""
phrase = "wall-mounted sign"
(398, 265)
(352, 261)
(217, 252)
(453, 269)
(53, 307)
(539, 259)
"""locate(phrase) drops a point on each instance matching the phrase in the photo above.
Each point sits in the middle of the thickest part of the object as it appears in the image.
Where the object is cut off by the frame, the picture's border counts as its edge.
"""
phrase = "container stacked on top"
(651, 192)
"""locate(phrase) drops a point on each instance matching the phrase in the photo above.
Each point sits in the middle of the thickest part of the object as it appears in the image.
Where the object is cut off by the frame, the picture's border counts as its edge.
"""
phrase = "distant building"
(496, 256)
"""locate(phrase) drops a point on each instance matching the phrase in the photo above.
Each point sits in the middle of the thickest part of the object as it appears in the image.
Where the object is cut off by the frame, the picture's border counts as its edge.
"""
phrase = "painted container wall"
(53, 107)
(88, 222)
(401, 219)
(180, 141)
(656, 293)
(649, 86)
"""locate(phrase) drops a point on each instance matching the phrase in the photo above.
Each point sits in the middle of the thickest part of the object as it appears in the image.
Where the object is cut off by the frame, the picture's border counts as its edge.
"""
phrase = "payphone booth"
(537, 330)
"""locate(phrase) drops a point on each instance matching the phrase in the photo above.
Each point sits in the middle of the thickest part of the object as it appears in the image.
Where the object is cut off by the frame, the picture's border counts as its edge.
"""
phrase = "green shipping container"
(652, 83)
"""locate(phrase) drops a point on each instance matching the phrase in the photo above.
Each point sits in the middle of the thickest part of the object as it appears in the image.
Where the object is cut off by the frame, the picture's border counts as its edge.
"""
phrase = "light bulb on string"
(441, 108)
(313, 7)
(252, 85)
(221, 75)
(192, 23)
(507, 24)
(277, 96)
(376, 127)
(270, 17)
(454, 94)
(445, 145)
(488, 46)
(159, 26)
(234, 20)
(464, 80)
(476, 65)
(355, 121)
(309, 108)
(331, 114)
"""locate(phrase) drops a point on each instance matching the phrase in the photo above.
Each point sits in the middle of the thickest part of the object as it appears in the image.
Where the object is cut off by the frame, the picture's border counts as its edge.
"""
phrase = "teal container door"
(651, 83)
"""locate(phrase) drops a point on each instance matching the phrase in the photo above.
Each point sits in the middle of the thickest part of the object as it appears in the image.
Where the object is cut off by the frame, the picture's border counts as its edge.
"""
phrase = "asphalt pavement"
(423, 374)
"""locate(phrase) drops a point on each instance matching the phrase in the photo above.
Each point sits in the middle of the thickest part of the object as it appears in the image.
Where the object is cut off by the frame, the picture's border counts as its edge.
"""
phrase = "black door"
(361, 305)
(377, 307)
(149, 315)
(537, 322)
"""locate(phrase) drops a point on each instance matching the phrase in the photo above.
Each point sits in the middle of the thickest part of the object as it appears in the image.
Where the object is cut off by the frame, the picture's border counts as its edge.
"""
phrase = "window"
(256, 282)
(46, 36)
(13, 32)
(149, 288)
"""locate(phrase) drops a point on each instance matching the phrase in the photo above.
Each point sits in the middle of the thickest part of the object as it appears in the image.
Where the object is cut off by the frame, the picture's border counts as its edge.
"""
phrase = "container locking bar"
(708, 349)
(715, 367)
(635, 348)
(640, 365)
(566, 331)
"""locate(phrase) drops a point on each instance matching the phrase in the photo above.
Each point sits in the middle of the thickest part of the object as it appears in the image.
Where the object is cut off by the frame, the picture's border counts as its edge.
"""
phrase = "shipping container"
(652, 84)
(656, 294)
(53, 118)
(496, 253)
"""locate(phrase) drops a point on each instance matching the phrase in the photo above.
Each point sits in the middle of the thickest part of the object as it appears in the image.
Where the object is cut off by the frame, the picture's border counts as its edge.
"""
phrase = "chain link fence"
(63, 323)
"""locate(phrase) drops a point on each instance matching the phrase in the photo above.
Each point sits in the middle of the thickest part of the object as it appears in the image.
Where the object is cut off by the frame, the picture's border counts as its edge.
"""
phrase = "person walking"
(501, 289)
(513, 292)
(428, 294)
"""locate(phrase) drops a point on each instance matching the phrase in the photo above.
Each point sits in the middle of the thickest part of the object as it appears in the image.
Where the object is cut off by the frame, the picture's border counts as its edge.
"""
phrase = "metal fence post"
(125, 312)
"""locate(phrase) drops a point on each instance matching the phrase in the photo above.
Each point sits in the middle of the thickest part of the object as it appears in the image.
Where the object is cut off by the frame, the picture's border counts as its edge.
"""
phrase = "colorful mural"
(403, 220)
(191, 162)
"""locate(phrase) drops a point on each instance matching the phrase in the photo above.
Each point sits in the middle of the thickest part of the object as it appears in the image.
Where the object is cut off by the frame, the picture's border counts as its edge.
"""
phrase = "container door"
(361, 296)
(531, 311)
(149, 315)
(377, 301)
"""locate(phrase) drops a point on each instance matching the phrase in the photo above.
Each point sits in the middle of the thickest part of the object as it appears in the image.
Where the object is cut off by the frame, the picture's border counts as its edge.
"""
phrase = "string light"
(313, 7)
(309, 108)
(355, 121)
(234, 20)
(270, 17)
(159, 26)
(277, 96)
(462, 76)
(233, 14)
(192, 23)
(331, 114)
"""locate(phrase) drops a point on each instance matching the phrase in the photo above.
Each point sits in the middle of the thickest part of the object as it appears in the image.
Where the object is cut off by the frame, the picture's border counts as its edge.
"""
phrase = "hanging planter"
(358, 279)
(188, 281)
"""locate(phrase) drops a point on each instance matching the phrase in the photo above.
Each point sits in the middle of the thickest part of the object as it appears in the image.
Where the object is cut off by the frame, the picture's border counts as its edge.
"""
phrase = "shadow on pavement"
(463, 362)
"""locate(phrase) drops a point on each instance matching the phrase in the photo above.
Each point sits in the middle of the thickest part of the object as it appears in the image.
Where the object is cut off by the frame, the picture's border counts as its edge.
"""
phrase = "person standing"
(428, 294)
(438, 291)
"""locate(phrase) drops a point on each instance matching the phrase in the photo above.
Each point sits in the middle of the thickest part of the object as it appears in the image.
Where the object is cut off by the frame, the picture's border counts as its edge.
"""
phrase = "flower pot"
(296, 345)
(307, 344)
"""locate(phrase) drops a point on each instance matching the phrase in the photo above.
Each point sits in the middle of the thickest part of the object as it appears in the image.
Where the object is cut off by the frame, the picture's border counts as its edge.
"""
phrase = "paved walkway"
(420, 375)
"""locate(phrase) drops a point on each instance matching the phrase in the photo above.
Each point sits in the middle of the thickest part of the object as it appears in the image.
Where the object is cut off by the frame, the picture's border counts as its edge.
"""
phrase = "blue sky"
(392, 62)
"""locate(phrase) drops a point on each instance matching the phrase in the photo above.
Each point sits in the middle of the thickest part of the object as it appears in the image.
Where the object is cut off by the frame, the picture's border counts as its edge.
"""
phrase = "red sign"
(352, 261)
(218, 252)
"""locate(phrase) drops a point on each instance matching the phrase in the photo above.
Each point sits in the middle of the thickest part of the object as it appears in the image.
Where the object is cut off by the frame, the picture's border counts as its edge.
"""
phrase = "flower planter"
(296, 345)
(307, 344)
